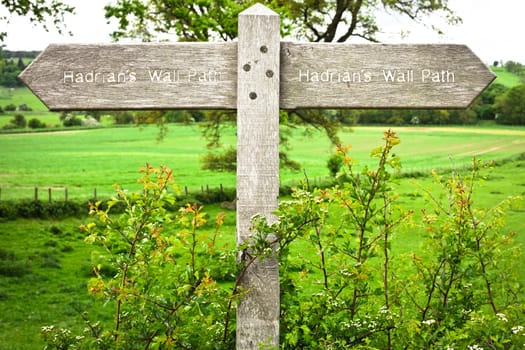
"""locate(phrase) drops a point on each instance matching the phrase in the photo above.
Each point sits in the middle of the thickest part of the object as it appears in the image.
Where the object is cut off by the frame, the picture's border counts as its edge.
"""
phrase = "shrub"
(347, 289)
(215, 195)
(24, 108)
(334, 164)
(163, 274)
(38, 209)
(226, 161)
(35, 123)
(10, 108)
(123, 117)
(72, 121)
(344, 286)
(19, 121)
(90, 121)
(8, 210)
(511, 106)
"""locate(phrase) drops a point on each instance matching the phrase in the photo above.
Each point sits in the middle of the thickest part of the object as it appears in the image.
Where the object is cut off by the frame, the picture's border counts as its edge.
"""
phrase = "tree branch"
(354, 11)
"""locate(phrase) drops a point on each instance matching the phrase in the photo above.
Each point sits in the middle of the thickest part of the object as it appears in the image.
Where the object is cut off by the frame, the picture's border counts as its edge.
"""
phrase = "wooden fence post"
(49, 194)
(36, 194)
(258, 168)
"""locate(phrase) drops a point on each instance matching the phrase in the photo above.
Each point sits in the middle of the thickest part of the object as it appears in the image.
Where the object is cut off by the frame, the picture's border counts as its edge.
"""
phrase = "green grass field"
(18, 97)
(43, 279)
(506, 78)
(86, 159)
(21, 96)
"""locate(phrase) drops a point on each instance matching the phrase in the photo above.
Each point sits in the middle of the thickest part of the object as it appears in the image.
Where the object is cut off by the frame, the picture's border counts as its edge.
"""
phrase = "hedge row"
(37, 209)
(11, 210)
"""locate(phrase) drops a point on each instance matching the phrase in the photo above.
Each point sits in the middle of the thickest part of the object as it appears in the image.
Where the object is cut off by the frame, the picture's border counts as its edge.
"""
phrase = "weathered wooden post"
(258, 167)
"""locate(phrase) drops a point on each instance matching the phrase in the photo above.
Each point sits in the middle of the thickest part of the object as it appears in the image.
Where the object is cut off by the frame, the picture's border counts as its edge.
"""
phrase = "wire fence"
(54, 193)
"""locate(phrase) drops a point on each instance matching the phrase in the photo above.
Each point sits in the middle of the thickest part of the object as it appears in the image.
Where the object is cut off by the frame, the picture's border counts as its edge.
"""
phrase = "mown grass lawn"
(82, 160)
(45, 266)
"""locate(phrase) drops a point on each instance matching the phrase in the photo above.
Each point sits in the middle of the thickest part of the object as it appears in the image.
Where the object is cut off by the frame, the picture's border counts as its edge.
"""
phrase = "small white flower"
(466, 312)
(517, 329)
(475, 347)
(47, 328)
(383, 310)
(428, 322)
(347, 325)
(356, 323)
(502, 317)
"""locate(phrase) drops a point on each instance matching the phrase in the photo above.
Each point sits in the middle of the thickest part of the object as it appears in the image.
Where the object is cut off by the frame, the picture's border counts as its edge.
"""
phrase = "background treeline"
(488, 106)
(11, 64)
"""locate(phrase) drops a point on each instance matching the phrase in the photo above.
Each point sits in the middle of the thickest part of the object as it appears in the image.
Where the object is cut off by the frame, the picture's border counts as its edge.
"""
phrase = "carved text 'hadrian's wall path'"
(204, 75)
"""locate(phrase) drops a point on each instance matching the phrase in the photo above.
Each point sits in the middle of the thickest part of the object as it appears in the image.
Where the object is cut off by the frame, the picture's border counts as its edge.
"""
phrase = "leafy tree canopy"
(313, 20)
(511, 106)
(515, 67)
(37, 11)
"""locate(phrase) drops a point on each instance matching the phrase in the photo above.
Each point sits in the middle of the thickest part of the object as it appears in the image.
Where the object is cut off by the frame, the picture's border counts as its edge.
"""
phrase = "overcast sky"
(493, 29)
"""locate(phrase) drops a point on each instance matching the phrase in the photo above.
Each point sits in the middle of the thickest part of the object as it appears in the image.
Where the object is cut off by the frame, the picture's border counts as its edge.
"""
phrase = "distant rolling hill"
(506, 78)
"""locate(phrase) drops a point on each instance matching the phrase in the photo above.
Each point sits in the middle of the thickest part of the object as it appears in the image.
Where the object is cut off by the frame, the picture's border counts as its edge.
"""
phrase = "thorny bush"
(345, 282)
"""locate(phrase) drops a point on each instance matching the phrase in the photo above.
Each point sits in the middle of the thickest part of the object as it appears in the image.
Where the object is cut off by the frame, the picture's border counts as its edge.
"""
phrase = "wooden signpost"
(258, 75)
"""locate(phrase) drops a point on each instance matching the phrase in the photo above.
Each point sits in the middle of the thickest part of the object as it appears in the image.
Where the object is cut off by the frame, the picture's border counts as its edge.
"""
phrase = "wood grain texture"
(326, 75)
(140, 76)
(204, 75)
(258, 168)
